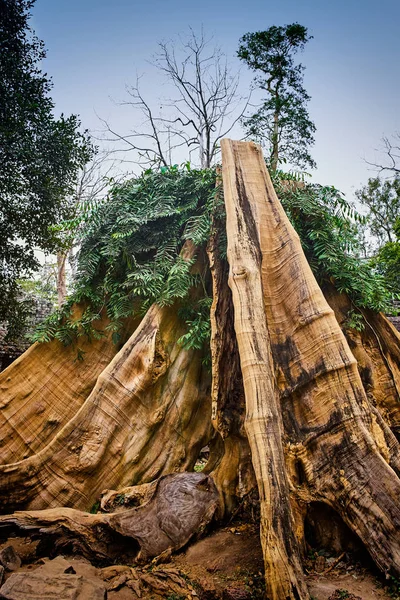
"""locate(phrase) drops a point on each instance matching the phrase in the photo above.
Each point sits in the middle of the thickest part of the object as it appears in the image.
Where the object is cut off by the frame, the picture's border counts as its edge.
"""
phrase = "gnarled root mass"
(180, 506)
(147, 415)
(299, 409)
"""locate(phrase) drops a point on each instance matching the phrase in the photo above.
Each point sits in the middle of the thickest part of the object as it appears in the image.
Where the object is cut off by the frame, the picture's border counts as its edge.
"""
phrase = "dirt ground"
(226, 565)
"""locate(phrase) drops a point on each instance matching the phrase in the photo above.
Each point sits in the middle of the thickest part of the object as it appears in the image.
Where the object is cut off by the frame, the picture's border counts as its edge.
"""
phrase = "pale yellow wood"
(338, 448)
(241, 172)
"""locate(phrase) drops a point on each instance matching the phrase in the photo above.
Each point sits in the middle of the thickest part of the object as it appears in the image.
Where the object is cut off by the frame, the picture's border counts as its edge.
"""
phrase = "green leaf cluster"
(130, 254)
(39, 155)
(328, 227)
(387, 260)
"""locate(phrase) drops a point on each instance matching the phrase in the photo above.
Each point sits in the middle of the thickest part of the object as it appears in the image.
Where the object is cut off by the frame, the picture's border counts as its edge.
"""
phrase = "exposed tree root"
(181, 505)
(377, 351)
(149, 414)
(35, 403)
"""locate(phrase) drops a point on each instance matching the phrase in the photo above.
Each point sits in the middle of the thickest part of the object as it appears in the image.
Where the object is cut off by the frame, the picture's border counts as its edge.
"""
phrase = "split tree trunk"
(230, 457)
(283, 571)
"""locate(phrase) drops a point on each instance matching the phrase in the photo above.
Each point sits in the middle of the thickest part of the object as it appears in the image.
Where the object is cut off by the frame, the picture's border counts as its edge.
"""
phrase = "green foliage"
(130, 255)
(328, 229)
(387, 260)
(39, 155)
(95, 508)
(393, 589)
(355, 320)
(44, 283)
(196, 317)
(381, 198)
(281, 123)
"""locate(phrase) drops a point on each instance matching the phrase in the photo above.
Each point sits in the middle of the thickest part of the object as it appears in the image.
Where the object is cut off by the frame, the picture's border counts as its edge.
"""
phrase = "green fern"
(130, 251)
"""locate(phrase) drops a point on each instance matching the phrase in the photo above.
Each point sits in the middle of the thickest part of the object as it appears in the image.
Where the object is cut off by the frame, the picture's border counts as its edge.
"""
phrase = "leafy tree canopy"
(281, 124)
(381, 198)
(39, 155)
(387, 260)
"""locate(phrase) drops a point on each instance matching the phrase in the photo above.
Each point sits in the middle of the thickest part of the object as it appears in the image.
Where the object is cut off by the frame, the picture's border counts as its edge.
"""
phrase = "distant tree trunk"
(61, 277)
(275, 144)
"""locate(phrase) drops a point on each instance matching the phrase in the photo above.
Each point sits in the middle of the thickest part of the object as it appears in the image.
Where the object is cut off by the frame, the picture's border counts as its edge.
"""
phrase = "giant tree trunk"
(284, 576)
(338, 449)
(289, 409)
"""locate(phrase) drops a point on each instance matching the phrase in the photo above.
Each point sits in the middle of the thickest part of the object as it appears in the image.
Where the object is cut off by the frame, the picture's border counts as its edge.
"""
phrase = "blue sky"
(96, 47)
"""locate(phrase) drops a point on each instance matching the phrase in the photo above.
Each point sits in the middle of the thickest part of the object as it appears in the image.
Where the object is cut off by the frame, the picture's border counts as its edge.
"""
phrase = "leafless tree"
(92, 186)
(390, 163)
(204, 107)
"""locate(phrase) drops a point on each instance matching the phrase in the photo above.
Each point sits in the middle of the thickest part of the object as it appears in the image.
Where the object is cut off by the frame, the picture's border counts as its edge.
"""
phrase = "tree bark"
(180, 506)
(42, 390)
(377, 351)
(230, 458)
(283, 571)
(148, 415)
(61, 277)
(338, 449)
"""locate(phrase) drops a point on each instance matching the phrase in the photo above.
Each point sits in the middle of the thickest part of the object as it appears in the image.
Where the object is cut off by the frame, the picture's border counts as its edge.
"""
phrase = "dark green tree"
(39, 155)
(281, 124)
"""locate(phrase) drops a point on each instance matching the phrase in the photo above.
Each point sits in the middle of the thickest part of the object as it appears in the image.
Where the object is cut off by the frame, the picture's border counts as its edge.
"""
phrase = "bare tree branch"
(391, 162)
(204, 109)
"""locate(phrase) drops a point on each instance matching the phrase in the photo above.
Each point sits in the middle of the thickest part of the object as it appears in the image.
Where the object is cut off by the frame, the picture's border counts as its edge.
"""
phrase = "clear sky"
(96, 47)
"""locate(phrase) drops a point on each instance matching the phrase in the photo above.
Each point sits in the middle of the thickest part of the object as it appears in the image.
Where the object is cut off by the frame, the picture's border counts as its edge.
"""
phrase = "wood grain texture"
(35, 402)
(230, 458)
(180, 506)
(148, 414)
(338, 448)
(243, 191)
(377, 351)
